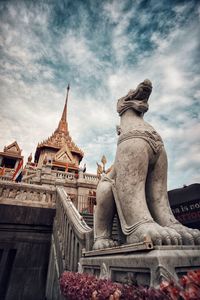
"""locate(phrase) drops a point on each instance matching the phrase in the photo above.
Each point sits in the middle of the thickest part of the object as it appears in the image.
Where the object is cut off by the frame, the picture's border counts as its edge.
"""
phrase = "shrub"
(77, 286)
(84, 287)
(188, 287)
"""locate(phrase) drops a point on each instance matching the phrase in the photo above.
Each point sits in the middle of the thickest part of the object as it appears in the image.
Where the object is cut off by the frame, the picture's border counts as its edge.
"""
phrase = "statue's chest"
(146, 133)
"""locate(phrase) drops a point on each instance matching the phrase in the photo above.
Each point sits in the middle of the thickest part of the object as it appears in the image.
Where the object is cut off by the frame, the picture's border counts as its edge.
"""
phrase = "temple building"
(56, 163)
(59, 150)
(10, 157)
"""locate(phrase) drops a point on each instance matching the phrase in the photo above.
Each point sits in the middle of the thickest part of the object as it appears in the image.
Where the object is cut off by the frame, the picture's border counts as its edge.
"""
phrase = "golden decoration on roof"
(61, 136)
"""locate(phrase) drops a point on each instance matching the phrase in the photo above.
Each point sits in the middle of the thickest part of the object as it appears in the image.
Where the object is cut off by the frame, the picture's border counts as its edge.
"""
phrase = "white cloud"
(114, 10)
(77, 51)
(191, 158)
(121, 43)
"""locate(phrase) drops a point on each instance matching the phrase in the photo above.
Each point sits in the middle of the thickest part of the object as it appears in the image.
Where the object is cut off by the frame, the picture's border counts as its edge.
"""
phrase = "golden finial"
(45, 159)
(104, 161)
(99, 170)
(68, 88)
(30, 158)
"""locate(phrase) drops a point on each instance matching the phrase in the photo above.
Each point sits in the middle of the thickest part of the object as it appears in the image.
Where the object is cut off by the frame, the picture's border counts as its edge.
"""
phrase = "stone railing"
(72, 232)
(90, 178)
(27, 194)
(54, 177)
(63, 175)
(6, 177)
(85, 204)
(29, 176)
(70, 235)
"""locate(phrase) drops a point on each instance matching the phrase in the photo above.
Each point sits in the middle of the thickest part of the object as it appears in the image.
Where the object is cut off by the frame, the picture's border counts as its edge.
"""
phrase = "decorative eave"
(57, 141)
(59, 163)
(11, 155)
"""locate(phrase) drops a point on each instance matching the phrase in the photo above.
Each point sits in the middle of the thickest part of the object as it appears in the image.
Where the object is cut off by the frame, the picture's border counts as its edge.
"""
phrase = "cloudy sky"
(103, 49)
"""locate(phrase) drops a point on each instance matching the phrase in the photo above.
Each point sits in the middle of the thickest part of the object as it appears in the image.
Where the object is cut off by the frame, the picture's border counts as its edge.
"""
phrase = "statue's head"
(143, 91)
(136, 99)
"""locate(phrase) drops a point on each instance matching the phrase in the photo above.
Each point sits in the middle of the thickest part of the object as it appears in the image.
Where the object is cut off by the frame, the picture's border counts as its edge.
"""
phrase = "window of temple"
(8, 162)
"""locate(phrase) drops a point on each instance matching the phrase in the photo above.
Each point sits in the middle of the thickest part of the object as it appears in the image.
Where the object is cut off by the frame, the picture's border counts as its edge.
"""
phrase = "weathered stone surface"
(144, 267)
(24, 194)
(136, 187)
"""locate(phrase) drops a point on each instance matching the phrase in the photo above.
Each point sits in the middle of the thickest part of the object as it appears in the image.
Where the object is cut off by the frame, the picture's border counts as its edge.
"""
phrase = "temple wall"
(25, 238)
(26, 219)
(45, 153)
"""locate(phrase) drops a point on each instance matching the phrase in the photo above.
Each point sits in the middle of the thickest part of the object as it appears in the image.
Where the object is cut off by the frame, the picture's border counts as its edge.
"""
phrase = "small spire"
(68, 88)
(30, 158)
(63, 126)
(64, 114)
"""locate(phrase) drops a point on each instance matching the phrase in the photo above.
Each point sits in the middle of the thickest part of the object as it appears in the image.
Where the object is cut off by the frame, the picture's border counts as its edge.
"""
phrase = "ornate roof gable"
(13, 148)
(64, 155)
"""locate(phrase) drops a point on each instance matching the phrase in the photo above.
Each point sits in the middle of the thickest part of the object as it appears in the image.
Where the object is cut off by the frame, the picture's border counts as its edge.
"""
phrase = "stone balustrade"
(63, 175)
(70, 235)
(48, 176)
(27, 194)
(29, 176)
(71, 230)
(90, 178)
(6, 177)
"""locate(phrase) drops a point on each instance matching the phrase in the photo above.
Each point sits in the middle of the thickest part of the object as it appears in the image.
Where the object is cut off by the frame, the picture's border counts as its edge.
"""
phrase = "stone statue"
(136, 187)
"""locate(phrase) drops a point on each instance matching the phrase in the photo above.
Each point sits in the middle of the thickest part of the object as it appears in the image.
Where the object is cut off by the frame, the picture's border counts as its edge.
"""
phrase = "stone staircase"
(88, 218)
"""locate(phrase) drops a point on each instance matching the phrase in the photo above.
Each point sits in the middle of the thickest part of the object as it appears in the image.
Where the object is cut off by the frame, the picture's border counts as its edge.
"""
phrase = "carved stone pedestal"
(146, 267)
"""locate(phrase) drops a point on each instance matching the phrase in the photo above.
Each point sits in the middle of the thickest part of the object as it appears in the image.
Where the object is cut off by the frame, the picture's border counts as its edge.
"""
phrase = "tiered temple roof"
(61, 137)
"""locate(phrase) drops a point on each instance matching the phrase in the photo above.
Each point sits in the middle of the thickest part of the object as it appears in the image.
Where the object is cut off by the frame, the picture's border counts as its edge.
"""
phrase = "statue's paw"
(196, 235)
(189, 236)
(158, 234)
(103, 243)
(174, 236)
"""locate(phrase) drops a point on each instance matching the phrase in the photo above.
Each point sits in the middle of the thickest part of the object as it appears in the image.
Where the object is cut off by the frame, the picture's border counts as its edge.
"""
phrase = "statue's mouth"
(143, 91)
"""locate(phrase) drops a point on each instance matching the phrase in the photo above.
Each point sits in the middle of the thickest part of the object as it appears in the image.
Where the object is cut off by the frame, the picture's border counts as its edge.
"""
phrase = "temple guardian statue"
(136, 187)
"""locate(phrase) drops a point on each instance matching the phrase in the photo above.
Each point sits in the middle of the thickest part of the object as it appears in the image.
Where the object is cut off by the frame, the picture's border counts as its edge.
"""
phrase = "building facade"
(56, 162)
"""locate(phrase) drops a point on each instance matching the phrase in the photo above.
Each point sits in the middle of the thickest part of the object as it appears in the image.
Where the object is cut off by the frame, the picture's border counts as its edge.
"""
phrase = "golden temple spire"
(64, 114)
(63, 126)
(60, 139)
